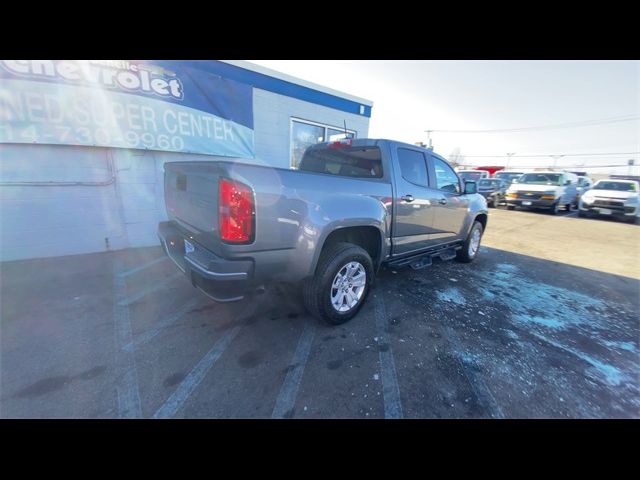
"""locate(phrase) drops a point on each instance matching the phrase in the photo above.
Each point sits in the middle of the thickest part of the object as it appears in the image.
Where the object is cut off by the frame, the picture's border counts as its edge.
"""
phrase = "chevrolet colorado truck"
(352, 206)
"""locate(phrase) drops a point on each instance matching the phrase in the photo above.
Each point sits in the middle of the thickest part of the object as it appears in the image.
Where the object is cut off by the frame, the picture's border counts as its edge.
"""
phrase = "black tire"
(511, 207)
(581, 214)
(567, 207)
(317, 289)
(463, 255)
(555, 209)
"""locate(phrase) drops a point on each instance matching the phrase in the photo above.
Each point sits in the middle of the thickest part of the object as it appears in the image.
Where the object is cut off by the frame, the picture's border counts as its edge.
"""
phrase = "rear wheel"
(341, 283)
(471, 246)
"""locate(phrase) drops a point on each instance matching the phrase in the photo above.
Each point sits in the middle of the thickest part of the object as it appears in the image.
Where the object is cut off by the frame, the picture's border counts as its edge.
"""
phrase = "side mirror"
(470, 187)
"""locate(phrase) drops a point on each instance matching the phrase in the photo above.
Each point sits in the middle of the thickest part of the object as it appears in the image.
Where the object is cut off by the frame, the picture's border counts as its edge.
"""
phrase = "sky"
(413, 96)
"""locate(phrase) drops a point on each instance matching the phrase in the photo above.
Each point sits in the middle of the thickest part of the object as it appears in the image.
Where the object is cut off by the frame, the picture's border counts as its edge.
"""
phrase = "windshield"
(509, 177)
(541, 178)
(473, 176)
(489, 183)
(619, 186)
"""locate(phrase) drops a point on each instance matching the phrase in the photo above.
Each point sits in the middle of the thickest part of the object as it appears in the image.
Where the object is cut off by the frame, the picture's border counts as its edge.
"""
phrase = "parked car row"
(556, 190)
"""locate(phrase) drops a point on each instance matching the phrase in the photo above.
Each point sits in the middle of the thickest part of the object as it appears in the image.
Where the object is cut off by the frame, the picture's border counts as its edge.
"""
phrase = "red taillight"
(345, 142)
(236, 212)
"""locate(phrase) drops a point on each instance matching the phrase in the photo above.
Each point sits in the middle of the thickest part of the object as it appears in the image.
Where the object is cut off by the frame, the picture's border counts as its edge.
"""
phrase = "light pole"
(509, 155)
(429, 137)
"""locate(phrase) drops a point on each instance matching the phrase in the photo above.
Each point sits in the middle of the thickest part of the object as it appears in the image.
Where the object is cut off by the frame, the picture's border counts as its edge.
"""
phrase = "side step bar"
(423, 260)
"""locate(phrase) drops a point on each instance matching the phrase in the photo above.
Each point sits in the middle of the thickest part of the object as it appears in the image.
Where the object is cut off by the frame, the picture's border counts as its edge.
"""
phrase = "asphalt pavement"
(544, 324)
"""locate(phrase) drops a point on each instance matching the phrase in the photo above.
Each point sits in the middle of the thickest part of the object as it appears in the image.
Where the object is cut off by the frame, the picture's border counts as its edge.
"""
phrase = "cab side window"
(446, 178)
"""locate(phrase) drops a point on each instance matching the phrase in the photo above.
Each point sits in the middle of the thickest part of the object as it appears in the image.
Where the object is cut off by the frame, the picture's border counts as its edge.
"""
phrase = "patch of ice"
(452, 295)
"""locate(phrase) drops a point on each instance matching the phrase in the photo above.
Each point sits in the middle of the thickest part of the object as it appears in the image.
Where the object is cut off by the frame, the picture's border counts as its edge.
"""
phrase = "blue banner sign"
(162, 105)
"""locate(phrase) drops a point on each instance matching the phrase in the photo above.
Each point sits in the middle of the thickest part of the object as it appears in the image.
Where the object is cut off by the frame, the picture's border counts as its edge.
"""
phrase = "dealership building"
(83, 144)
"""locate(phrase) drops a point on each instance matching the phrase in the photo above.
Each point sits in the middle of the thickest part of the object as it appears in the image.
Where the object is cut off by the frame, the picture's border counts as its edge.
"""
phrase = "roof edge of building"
(297, 81)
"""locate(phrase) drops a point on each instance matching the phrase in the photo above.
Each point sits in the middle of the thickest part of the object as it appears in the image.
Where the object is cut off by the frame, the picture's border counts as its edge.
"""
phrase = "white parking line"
(171, 406)
(127, 390)
(390, 388)
(147, 291)
(167, 322)
(142, 267)
(289, 391)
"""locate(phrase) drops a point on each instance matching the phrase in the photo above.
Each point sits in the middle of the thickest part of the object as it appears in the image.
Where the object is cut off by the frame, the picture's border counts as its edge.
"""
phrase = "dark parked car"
(494, 190)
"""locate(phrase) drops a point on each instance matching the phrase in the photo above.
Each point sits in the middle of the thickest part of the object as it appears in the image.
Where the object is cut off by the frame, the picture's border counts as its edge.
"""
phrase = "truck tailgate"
(191, 195)
(192, 201)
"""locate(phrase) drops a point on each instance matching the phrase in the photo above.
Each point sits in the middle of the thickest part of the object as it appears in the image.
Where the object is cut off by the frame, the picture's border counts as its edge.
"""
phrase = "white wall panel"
(43, 221)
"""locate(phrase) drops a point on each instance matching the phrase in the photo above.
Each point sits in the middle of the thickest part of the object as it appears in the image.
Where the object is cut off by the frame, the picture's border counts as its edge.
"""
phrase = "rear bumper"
(220, 279)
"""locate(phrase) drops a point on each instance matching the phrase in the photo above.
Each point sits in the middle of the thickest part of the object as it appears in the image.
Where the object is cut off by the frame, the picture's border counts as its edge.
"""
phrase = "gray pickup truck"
(352, 206)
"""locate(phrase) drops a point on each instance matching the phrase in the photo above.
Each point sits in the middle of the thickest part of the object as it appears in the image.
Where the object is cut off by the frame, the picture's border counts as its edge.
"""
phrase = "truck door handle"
(407, 198)
(442, 201)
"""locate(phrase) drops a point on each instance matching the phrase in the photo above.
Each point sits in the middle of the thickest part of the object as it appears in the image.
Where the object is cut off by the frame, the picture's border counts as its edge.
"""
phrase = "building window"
(305, 133)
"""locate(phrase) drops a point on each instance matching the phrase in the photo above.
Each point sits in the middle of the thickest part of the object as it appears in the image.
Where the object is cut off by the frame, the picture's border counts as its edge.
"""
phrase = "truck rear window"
(362, 162)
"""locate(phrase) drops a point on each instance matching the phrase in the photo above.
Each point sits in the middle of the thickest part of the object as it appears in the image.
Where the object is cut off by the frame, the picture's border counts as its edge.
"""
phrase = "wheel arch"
(368, 237)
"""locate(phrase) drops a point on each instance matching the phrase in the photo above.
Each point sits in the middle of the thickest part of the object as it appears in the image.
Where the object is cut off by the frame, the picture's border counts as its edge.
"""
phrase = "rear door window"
(413, 166)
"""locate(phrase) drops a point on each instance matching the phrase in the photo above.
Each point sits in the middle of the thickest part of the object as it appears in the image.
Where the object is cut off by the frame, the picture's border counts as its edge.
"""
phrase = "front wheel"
(555, 209)
(471, 246)
(341, 283)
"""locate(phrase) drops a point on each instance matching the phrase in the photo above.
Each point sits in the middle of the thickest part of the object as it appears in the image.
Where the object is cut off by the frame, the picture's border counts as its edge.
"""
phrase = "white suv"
(617, 198)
